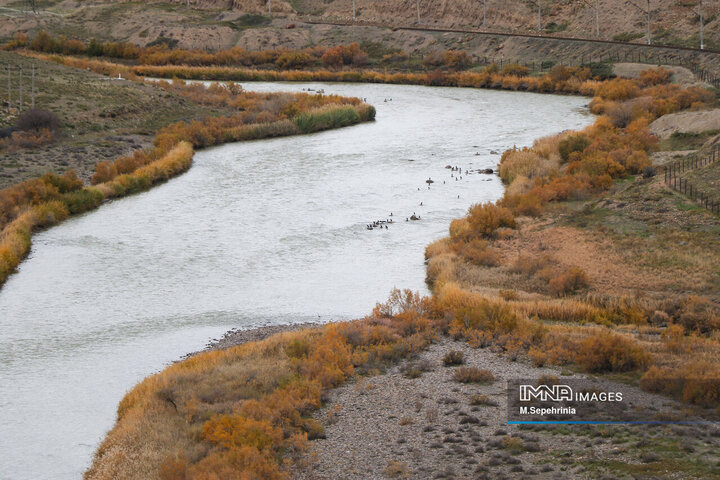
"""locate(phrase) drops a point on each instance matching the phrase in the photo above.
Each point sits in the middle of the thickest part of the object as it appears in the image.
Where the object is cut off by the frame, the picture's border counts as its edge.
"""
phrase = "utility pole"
(596, 6)
(648, 17)
(539, 19)
(702, 44)
(32, 96)
(353, 1)
(700, 14)
(597, 18)
(21, 89)
(269, 7)
(484, 13)
(9, 89)
(648, 22)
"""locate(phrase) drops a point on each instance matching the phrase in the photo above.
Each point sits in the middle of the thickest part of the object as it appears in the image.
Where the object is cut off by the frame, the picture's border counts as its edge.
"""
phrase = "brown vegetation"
(544, 182)
(473, 375)
(244, 412)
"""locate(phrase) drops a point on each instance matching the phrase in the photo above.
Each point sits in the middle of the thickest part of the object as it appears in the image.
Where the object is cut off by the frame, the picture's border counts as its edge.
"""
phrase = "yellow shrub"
(609, 352)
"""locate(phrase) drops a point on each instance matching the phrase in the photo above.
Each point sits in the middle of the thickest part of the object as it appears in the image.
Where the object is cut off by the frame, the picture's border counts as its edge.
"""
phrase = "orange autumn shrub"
(691, 381)
(457, 59)
(617, 89)
(484, 219)
(525, 162)
(605, 352)
(654, 76)
(344, 55)
(478, 252)
(229, 431)
(50, 187)
(27, 139)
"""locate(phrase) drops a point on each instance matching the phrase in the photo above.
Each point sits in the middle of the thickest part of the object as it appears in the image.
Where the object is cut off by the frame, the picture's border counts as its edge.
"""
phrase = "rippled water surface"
(255, 233)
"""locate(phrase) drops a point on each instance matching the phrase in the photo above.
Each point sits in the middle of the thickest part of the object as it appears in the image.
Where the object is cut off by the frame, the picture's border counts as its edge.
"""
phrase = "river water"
(256, 233)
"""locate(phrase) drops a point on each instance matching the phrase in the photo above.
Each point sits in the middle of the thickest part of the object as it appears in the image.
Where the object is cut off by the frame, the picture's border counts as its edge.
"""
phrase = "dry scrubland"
(224, 23)
(44, 201)
(209, 26)
(99, 118)
(343, 63)
(588, 263)
(677, 23)
(418, 421)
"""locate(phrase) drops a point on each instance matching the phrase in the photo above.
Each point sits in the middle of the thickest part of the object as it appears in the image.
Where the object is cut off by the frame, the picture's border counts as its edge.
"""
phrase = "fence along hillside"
(675, 180)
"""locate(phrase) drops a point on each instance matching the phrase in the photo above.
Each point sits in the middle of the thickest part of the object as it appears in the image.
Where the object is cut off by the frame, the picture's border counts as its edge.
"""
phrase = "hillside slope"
(671, 21)
(214, 23)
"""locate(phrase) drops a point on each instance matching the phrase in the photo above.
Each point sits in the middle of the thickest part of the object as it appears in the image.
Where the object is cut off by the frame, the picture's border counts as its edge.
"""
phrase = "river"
(256, 233)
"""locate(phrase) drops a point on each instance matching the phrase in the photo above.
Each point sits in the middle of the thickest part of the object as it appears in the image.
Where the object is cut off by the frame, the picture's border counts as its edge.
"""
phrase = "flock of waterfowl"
(455, 172)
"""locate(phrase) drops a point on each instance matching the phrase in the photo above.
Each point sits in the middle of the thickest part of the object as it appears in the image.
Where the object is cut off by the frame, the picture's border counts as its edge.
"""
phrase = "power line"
(648, 17)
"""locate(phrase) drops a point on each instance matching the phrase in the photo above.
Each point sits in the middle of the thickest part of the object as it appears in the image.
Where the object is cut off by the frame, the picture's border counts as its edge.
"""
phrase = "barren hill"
(218, 24)
(671, 21)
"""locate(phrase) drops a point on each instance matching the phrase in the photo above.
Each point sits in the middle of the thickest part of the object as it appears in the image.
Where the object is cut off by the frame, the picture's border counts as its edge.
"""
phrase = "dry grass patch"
(473, 375)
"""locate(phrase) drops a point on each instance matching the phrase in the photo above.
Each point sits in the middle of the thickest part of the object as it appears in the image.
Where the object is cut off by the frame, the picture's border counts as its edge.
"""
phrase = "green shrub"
(83, 200)
(327, 117)
(572, 143)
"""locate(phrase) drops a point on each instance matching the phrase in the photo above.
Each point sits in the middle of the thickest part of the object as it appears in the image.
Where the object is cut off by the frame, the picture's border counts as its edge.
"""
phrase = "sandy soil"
(681, 75)
(688, 122)
(609, 271)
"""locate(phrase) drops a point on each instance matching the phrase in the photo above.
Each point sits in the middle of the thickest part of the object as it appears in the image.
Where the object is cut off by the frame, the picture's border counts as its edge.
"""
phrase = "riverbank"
(418, 421)
(226, 232)
(545, 313)
(232, 116)
(239, 336)
(100, 118)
